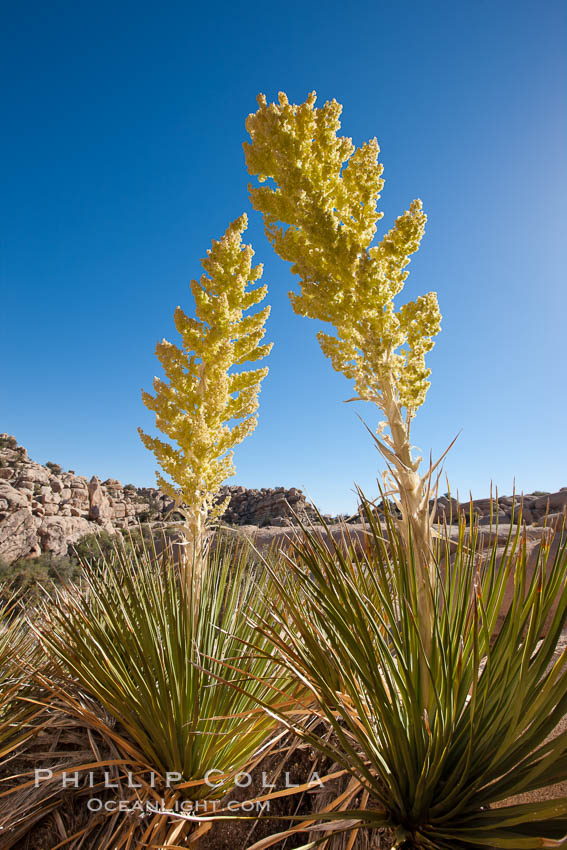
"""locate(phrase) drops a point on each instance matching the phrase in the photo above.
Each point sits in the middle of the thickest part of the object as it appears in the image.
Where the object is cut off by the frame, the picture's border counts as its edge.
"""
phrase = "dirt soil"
(70, 815)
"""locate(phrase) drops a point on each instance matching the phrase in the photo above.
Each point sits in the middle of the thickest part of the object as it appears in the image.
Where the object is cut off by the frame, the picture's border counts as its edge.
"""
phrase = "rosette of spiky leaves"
(206, 404)
(347, 627)
(134, 642)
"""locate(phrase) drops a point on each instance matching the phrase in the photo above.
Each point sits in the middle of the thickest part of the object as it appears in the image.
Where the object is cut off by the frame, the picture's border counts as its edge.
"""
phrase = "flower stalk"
(320, 214)
(206, 405)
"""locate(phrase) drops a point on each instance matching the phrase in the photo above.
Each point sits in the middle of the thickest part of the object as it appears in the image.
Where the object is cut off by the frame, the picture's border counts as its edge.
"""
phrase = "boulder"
(554, 520)
(481, 505)
(34, 473)
(551, 544)
(81, 496)
(527, 514)
(99, 506)
(18, 535)
(555, 502)
(497, 517)
(49, 497)
(58, 533)
(445, 509)
(15, 498)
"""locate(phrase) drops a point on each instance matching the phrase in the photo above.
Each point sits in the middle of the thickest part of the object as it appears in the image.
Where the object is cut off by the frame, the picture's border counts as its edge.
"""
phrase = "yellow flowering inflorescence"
(202, 393)
(321, 216)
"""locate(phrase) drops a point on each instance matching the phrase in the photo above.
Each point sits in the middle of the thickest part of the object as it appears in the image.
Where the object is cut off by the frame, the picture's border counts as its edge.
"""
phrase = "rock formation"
(45, 509)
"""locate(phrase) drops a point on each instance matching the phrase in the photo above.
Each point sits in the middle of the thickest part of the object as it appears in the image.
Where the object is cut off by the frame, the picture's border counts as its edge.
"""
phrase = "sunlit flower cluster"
(204, 405)
(320, 214)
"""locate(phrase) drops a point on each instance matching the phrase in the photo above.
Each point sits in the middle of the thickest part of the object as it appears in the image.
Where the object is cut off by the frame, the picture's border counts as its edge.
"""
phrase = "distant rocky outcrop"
(268, 506)
(45, 509)
(537, 508)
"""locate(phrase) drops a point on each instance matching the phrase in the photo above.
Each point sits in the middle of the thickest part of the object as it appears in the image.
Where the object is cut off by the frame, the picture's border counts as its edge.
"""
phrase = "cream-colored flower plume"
(204, 405)
(321, 216)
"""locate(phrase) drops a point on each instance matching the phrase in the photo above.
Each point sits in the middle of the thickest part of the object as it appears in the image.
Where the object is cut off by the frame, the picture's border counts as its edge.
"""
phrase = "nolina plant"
(320, 214)
(136, 639)
(140, 637)
(438, 713)
(438, 770)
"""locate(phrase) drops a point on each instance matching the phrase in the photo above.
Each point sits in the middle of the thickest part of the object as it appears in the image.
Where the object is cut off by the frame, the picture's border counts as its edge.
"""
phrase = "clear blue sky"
(122, 157)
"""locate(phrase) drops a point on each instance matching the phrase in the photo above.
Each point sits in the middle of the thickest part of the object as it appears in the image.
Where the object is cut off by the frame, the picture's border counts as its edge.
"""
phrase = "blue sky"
(122, 158)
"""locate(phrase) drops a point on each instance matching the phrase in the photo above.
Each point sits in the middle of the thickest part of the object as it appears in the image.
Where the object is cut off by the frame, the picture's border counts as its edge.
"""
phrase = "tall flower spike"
(320, 214)
(202, 392)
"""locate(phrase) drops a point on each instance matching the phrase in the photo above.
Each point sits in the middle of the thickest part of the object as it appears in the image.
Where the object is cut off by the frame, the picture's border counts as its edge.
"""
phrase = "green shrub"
(31, 574)
(55, 468)
(94, 547)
